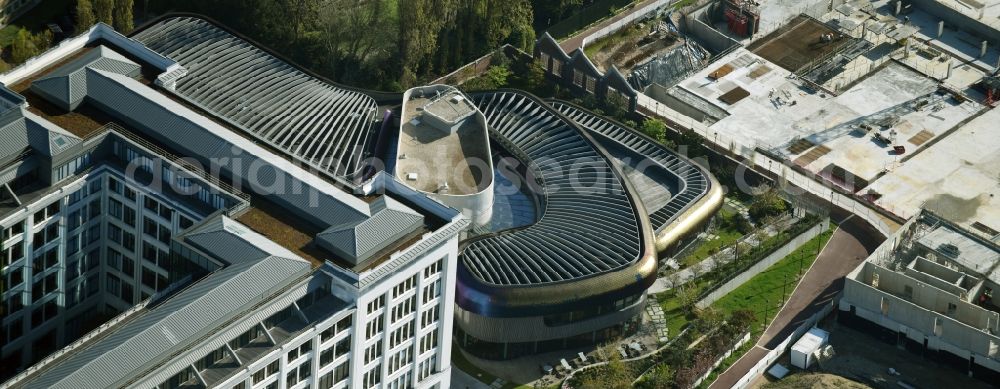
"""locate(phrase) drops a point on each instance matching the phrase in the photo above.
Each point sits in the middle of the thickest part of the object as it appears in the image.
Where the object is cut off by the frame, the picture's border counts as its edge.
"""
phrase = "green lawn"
(763, 293)
(612, 40)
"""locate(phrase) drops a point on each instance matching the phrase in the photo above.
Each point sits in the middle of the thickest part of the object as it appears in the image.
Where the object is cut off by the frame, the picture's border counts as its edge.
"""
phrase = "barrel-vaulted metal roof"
(327, 127)
(692, 182)
(588, 224)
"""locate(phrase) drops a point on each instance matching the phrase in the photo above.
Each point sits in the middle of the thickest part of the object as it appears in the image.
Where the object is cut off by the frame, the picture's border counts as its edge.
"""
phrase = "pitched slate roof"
(358, 241)
(67, 85)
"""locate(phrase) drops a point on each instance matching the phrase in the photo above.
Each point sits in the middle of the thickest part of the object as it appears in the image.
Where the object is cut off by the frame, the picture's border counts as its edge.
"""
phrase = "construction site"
(866, 96)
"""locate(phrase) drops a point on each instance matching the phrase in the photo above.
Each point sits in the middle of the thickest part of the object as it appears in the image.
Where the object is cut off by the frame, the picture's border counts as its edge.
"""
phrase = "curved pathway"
(850, 244)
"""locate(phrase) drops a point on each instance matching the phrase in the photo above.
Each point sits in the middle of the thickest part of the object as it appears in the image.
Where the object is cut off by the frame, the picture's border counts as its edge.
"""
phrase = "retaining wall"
(765, 263)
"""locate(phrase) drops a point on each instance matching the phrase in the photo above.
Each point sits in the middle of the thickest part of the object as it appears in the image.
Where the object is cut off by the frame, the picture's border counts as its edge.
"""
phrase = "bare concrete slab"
(957, 177)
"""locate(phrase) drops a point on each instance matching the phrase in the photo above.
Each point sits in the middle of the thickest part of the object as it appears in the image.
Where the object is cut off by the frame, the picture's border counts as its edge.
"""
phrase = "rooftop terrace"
(443, 145)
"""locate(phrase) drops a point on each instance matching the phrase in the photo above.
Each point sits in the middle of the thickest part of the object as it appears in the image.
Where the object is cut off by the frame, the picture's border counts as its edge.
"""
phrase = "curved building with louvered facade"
(609, 200)
(327, 127)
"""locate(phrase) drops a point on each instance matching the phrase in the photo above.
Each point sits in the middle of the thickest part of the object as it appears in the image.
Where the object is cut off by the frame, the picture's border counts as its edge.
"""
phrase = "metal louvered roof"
(139, 344)
(588, 225)
(692, 181)
(322, 125)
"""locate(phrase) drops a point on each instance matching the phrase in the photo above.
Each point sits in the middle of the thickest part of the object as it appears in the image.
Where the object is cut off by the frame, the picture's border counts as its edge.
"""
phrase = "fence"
(479, 66)
(628, 19)
(762, 265)
(761, 366)
(736, 346)
(787, 174)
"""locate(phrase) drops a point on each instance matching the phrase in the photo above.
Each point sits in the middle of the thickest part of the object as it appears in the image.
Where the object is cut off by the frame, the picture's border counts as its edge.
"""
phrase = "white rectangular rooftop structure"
(961, 248)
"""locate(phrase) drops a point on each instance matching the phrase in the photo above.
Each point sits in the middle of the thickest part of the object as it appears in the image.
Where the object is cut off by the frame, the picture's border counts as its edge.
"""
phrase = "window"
(952, 308)
(14, 303)
(12, 253)
(342, 347)
(578, 78)
(544, 59)
(402, 309)
(591, 84)
(401, 335)
(557, 68)
(13, 231)
(376, 304)
(15, 277)
(338, 375)
(429, 316)
(404, 286)
(129, 216)
(258, 376)
(428, 342)
(373, 352)
(114, 185)
(373, 377)
(433, 269)
(374, 327)
(431, 291)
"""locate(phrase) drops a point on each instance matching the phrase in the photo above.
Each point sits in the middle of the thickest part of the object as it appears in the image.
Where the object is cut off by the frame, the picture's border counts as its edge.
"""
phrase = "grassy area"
(766, 286)
(726, 237)
(765, 289)
(763, 293)
(625, 34)
(35, 19)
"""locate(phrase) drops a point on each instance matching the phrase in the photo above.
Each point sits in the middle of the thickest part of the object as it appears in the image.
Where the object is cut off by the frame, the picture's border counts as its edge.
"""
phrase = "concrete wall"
(956, 18)
(918, 323)
(757, 268)
(708, 36)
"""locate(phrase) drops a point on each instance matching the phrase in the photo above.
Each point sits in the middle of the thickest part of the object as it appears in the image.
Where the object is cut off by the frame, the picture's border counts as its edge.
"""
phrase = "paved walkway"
(848, 246)
(574, 42)
(683, 276)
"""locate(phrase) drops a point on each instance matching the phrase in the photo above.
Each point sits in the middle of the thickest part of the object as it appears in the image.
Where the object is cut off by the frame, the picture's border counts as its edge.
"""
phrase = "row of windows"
(373, 352)
(404, 286)
(303, 372)
(429, 316)
(374, 327)
(400, 359)
(372, 377)
(338, 375)
(428, 342)
(402, 309)
(341, 326)
(431, 291)
(400, 335)
(330, 354)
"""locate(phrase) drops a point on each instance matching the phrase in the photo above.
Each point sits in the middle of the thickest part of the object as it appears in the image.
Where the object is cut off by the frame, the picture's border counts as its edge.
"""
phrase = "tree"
(654, 128)
(84, 15)
(123, 19)
(23, 47)
(767, 203)
(103, 10)
(662, 376)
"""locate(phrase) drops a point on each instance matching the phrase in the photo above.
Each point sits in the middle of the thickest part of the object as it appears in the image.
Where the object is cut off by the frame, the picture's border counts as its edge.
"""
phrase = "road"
(574, 42)
(848, 246)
